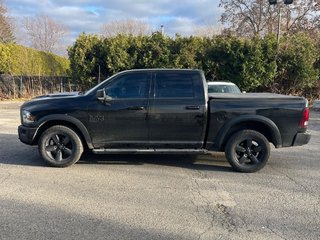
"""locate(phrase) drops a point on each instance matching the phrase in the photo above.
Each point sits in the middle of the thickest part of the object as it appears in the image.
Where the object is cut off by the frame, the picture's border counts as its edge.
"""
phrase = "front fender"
(70, 119)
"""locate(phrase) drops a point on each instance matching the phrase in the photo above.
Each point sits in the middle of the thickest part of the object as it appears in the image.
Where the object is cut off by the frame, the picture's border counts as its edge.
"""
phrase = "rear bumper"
(301, 139)
(27, 134)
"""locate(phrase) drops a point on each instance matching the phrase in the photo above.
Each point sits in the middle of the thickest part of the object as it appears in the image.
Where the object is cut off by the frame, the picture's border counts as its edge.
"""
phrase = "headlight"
(27, 117)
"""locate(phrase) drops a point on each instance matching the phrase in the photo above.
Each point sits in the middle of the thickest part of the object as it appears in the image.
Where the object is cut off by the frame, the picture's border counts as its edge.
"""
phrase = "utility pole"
(99, 75)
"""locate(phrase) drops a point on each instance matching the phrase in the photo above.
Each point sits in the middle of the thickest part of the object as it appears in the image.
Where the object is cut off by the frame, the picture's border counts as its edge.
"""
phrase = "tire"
(60, 146)
(247, 151)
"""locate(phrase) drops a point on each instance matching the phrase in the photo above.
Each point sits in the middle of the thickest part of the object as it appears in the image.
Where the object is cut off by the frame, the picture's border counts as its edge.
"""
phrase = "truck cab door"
(121, 120)
(177, 115)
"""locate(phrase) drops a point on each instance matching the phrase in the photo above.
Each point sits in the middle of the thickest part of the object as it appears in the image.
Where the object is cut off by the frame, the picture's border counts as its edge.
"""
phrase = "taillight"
(305, 118)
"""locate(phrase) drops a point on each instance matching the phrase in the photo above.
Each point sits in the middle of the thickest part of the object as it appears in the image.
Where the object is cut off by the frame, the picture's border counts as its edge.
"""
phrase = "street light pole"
(162, 30)
(279, 28)
(275, 2)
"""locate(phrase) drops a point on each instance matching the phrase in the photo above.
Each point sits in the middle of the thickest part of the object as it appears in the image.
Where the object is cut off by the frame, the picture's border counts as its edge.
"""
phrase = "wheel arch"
(65, 120)
(260, 124)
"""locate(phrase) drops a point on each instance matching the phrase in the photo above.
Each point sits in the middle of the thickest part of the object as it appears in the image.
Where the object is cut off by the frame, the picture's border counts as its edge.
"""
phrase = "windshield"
(223, 89)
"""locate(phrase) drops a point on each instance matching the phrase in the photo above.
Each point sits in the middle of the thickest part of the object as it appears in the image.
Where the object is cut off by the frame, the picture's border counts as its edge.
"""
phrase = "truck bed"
(284, 111)
(260, 96)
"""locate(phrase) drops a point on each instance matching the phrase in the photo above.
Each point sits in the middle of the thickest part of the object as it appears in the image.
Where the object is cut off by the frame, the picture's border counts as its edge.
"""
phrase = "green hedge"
(5, 58)
(20, 60)
(253, 64)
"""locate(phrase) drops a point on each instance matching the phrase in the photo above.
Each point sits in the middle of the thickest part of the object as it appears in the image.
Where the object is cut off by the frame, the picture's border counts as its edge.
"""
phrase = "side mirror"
(101, 95)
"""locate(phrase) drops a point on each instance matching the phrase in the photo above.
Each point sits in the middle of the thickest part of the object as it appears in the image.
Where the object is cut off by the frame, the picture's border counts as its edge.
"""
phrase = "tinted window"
(173, 85)
(129, 86)
(223, 89)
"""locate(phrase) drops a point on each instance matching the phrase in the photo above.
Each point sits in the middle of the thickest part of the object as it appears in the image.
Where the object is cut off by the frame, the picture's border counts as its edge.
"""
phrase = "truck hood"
(55, 100)
(59, 95)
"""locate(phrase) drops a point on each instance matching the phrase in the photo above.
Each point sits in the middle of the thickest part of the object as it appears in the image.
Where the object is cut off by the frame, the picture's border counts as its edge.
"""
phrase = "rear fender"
(244, 120)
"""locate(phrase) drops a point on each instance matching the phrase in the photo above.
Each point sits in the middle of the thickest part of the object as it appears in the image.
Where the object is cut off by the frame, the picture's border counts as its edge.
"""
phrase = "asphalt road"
(156, 197)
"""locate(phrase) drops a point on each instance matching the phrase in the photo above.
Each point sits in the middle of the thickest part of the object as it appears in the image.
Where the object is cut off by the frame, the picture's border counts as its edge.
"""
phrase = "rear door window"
(174, 85)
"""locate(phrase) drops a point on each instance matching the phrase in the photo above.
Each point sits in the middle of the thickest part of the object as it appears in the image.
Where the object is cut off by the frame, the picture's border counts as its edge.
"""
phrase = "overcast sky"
(178, 16)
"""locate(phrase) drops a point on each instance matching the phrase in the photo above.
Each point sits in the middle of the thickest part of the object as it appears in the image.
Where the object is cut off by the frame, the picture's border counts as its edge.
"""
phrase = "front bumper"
(301, 139)
(27, 134)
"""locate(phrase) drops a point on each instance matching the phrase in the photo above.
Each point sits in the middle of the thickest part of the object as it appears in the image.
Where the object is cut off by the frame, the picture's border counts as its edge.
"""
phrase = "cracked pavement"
(156, 197)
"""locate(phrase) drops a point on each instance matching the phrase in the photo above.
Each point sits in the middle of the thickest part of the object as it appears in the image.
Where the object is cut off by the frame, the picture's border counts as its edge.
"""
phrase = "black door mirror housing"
(101, 95)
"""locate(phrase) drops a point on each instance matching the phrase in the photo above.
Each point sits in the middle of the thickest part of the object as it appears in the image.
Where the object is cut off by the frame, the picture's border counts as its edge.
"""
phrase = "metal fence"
(30, 86)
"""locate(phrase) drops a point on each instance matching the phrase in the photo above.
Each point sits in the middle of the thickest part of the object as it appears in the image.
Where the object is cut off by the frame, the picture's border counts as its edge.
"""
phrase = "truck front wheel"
(247, 151)
(60, 146)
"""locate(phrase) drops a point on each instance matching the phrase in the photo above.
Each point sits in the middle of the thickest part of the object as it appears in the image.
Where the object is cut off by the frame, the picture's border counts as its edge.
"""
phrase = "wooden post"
(61, 85)
(14, 87)
(21, 87)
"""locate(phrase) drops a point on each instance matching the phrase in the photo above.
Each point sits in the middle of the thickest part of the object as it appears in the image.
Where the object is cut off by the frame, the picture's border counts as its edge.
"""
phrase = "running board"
(149, 151)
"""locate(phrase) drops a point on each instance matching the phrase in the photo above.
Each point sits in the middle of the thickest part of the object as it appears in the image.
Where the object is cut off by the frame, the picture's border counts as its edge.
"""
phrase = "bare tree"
(302, 15)
(207, 31)
(6, 31)
(44, 33)
(133, 27)
(258, 17)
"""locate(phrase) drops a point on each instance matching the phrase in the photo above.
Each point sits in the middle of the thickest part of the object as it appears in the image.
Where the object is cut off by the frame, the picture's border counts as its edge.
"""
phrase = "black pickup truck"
(163, 111)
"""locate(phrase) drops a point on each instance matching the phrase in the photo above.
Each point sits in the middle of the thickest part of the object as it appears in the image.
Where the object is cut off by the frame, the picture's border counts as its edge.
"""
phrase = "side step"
(149, 151)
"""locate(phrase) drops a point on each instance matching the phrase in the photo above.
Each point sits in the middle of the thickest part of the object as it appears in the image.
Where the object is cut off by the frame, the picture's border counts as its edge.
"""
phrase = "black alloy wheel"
(247, 151)
(60, 146)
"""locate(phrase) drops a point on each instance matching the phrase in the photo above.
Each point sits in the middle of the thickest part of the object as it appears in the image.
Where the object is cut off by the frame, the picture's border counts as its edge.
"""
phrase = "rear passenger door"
(177, 110)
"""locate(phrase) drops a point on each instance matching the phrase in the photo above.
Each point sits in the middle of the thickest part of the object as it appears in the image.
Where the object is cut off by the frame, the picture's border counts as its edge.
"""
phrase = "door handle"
(136, 108)
(192, 107)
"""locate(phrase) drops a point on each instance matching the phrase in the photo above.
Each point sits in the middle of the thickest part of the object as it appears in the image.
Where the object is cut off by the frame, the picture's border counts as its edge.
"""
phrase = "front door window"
(129, 86)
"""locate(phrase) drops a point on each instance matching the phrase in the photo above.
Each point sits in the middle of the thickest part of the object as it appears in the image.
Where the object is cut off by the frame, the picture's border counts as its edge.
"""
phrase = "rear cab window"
(177, 85)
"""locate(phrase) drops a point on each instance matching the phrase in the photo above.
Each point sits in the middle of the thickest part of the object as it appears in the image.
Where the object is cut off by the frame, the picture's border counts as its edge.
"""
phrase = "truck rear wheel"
(60, 146)
(247, 151)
